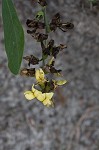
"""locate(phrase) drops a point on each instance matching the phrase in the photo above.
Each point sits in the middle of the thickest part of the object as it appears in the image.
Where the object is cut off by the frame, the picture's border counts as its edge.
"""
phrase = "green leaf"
(13, 36)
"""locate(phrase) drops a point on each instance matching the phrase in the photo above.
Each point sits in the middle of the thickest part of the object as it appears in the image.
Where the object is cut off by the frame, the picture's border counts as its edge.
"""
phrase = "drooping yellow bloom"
(48, 99)
(29, 95)
(45, 98)
(39, 75)
(35, 91)
(32, 94)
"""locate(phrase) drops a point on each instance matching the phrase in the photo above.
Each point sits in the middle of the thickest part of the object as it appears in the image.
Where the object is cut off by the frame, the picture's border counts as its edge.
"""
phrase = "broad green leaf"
(13, 36)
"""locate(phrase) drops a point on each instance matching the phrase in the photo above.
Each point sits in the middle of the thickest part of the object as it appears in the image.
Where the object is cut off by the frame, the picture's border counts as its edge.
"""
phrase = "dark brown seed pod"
(55, 22)
(53, 70)
(40, 37)
(56, 19)
(35, 24)
(28, 72)
(62, 46)
(55, 51)
(50, 44)
(53, 27)
(66, 26)
(42, 2)
(46, 51)
(31, 23)
(32, 32)
(31, 60)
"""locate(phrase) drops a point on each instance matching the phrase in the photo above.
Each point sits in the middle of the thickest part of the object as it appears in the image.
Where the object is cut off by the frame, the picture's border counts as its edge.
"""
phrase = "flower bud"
(61, 82)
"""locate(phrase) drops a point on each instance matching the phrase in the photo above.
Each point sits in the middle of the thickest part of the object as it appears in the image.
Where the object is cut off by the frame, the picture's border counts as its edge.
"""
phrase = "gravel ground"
(74, 122)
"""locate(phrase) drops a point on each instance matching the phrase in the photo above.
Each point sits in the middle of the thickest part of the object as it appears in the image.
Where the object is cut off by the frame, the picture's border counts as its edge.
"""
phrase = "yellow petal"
(41, 97)
(29, 95)
(61, 82)
(39, 74)
(36, 93)
(33, 89)
(49, 95)
(45, 98)
(48, 102)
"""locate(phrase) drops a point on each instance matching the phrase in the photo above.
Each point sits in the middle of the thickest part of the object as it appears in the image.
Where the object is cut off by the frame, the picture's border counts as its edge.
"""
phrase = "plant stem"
(46, 30)
(46, 21)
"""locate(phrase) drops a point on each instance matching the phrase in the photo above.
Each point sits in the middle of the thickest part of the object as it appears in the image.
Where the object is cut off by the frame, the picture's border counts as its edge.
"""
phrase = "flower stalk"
(46, 31)
(45, 85)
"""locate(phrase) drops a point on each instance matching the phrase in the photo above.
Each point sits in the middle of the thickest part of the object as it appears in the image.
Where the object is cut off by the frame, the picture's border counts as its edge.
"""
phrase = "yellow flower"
(32, 94)
(48, 99)
(29, 95)
(39, 74)
(45, 98)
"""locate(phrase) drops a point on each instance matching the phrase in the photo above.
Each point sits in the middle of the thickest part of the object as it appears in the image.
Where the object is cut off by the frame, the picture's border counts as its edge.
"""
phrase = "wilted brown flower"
(66, 26)
(51, 49)
(31, 60)
(35, 24)
(28, 72)
(55, 51)
(56, 22)
(62, 46)
(42, 2)
(38, 36)
(50, 44)
(47, 50)
(49, 86)
(53, 70)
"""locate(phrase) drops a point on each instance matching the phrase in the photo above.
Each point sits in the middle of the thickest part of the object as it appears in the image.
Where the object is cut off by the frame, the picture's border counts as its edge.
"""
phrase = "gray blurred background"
(74, 122)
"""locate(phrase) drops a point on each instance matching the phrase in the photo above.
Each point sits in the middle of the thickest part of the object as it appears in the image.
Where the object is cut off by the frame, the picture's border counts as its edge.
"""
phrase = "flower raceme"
(45, 98)
(39, 28)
